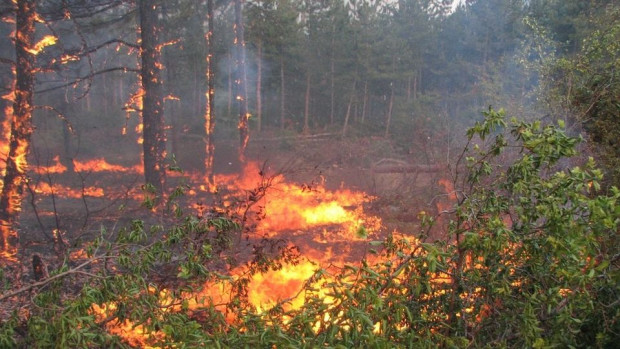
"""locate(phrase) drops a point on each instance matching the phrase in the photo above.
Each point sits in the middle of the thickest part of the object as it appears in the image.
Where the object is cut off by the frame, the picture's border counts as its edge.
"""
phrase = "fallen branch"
(398, 166)
(46, 281)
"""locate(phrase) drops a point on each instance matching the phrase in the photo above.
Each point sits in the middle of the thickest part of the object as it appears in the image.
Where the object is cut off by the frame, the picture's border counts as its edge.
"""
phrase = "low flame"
(101, 165)
(46, 41)
(67, 192)
(56, 167)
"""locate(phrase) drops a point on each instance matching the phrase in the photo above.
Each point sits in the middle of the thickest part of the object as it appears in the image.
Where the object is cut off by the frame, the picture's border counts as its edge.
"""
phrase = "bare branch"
(59, 114)
(83, 78)
(44, 282)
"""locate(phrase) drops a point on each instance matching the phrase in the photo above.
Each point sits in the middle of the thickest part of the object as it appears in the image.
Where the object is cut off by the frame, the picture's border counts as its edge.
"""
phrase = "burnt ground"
(398, 197)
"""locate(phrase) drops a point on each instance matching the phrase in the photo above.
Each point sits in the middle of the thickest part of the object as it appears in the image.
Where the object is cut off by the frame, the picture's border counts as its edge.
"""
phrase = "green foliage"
(587, 86)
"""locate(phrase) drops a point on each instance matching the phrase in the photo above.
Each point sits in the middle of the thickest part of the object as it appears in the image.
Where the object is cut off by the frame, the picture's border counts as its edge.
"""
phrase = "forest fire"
(282, 208)
(288, 206)
(68, 192)
(357, 191)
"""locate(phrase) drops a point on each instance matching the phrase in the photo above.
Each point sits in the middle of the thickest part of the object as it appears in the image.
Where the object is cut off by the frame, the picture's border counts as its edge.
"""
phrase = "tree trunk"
(259, 81)
(365, 101)
(282, 94)
(230, 84)
(210, 107)
(154, 145)
(332, 73)
(415, 87)
(240, 81)
(21, 127)
(67, 157)
(389, 113)
(346, 117)
(306, 128)
(409, 88)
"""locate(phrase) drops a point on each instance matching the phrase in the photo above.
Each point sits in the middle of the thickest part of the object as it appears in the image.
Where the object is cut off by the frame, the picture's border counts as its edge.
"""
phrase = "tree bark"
(389, 112)
(365, 102)
(259, 82)
(332, 74)
(210, 97)
(154, 145)
(21, 127)
(347, 116)
(415, 87)
(67, 157)
(307, 105)
(229, 67)
(282, 94)
(241, 81)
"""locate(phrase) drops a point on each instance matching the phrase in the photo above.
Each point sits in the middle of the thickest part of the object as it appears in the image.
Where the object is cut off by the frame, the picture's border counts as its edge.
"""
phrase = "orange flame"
(67, 192)
(47, 40)
(57, 167)
(289, 206)
(101, 165)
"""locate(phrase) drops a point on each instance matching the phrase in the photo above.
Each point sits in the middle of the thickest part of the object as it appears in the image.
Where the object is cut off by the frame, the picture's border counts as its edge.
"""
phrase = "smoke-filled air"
(309, 174)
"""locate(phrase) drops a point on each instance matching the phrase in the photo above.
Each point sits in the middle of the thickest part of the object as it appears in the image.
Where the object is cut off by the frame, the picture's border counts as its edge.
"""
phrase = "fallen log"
(399, 166)
(408, 168)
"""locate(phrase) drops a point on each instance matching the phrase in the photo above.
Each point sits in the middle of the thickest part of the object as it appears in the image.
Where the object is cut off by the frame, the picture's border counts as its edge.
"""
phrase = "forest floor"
(308, 161)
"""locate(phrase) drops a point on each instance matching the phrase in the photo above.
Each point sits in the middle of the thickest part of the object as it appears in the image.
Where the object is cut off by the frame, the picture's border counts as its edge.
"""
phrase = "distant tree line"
(413, 71)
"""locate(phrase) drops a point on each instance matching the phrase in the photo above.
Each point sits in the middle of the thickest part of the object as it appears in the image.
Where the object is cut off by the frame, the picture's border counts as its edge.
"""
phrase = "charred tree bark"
(154, 145)
(210, 97)
(259, 82)
(241, 81)
(21, 127)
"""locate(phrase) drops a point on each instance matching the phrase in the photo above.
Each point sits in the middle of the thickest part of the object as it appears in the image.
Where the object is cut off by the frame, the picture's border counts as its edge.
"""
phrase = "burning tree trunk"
(21, 126)
(210, 107)
(152, 110)
(240, 81)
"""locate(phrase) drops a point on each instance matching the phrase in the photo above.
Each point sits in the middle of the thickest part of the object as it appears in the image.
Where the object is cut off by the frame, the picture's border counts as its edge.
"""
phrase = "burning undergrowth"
(327, 273)
(256, 248)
